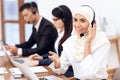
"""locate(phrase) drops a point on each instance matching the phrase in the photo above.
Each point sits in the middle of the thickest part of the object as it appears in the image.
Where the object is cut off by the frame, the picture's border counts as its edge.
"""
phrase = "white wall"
(0, 23)
(103, 8)
(110, 9)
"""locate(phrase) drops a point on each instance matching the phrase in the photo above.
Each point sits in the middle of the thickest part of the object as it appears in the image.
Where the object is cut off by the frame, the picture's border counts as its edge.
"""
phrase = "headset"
(62, 13)
(93, 21)
(33, 9)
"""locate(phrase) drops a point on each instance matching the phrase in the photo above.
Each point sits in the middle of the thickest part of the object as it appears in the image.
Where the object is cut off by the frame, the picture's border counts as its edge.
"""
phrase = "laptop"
(26, 71)
(7, 53)
(29, 74)
(20, 60)
(16, 58)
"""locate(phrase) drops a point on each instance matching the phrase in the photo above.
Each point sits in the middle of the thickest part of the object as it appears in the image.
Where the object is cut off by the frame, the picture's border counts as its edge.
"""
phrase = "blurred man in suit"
(43, 34)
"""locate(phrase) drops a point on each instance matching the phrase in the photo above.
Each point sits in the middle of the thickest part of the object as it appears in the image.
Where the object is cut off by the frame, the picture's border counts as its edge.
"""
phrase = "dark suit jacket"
(44, 38)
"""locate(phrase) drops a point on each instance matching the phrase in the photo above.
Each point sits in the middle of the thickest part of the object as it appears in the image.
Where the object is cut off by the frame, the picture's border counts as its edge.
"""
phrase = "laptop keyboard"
(43, 79)
(19, 60)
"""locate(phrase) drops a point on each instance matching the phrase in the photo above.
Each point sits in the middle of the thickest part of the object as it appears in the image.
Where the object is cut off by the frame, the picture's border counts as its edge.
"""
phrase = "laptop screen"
(26, 71)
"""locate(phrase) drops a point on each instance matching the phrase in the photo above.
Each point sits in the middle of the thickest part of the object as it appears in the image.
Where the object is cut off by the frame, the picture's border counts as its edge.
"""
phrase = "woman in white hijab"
(86, 50)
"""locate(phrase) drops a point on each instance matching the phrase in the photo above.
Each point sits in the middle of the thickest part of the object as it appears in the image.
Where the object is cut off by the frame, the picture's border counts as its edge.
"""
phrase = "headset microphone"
(82, 34)
(28, 22)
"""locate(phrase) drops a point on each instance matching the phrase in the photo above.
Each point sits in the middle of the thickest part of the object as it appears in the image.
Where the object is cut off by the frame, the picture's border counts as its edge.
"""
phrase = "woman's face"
(80, 24)
(58, 23)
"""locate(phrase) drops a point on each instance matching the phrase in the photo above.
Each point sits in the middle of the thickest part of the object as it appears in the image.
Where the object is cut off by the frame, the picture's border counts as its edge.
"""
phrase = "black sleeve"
(45, 56)
(48, 37)
(27, 44)
(45, 62)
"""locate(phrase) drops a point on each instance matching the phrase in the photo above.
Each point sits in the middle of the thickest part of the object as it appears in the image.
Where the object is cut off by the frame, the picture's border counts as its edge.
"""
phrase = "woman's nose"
(77, 24)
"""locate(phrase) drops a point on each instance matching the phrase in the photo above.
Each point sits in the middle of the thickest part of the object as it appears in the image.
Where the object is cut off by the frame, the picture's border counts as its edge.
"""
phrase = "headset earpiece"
(93, 21)
(33, 9)
(62, 13)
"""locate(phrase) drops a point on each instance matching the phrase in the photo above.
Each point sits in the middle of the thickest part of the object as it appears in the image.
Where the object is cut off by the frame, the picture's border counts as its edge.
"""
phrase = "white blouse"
(60, 35)
(92, 67)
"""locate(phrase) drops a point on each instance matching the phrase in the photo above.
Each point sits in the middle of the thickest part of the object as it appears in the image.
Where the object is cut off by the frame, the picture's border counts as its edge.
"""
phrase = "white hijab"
(79, 43)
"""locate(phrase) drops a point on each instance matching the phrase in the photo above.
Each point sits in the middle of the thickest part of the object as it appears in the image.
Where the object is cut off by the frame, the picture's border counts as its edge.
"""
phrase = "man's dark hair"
(28, 6)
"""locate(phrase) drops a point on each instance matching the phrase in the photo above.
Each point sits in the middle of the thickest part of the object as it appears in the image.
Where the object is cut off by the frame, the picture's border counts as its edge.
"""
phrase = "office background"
(107, 12)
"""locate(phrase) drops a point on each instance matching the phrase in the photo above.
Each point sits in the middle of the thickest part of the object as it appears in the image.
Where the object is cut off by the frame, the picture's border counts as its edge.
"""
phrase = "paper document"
(36, 69)
(52, 77)
(2, 53)
(2, 78)
(3, 70)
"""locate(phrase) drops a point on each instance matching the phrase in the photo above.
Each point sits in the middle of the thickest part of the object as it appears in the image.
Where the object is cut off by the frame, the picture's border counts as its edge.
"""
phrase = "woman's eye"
(75, 19)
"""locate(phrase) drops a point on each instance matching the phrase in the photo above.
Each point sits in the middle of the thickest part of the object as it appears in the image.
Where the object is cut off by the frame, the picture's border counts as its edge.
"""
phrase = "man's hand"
(12, 49)
(55, 58)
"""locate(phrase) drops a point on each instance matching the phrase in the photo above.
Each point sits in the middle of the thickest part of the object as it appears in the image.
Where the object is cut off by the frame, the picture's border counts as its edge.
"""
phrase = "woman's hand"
(55, 58)
(91, 33)
(35, 57)
(90, 37)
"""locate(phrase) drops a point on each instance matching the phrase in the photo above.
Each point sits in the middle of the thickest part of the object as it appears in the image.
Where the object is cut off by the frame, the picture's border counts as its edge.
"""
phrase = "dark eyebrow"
(83, 19)
(55, 19)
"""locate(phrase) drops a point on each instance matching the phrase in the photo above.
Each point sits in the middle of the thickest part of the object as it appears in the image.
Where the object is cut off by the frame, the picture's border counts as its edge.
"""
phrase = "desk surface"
(5, 62)
(114, 38)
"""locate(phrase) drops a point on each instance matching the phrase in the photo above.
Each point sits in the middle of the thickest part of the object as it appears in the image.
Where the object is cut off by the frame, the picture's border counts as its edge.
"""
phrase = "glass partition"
(28, 31)
(12, 33)
(10, 9)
